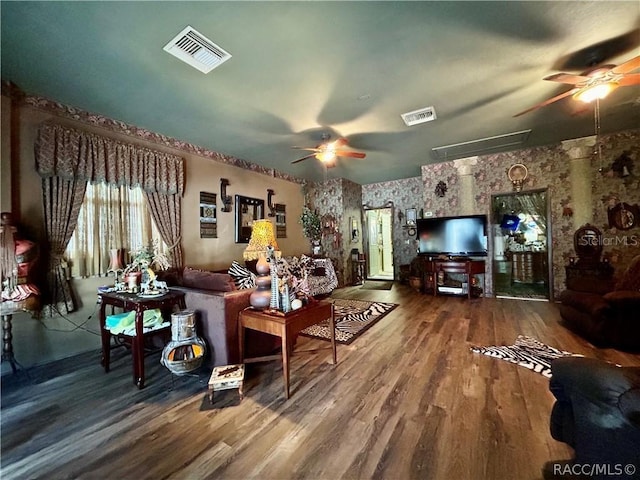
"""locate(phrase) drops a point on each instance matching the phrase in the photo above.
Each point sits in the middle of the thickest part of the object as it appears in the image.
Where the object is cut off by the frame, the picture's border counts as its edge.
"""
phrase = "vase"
(133, 280)
(260, 298)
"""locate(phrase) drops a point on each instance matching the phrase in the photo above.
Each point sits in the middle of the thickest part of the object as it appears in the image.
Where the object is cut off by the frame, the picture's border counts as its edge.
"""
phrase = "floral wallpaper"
(548, 168)
(337, 201)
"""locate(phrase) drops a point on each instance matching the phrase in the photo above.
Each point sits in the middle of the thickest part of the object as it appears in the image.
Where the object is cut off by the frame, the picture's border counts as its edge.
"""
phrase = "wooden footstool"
(225, 378)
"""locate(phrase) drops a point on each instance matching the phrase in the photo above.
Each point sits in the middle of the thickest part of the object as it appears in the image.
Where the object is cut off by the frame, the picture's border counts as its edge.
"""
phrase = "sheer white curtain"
(111, 217)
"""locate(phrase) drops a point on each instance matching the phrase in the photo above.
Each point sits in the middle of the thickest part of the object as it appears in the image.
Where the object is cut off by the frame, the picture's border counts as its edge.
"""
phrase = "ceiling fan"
(327, 152)
(594, 84)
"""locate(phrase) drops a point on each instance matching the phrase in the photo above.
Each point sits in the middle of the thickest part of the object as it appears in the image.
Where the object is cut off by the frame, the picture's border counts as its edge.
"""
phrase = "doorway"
(379, 243)
(521, 235)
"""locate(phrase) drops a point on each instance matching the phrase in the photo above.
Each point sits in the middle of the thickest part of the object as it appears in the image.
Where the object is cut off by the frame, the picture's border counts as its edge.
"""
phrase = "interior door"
(521, 234)
(379, 243)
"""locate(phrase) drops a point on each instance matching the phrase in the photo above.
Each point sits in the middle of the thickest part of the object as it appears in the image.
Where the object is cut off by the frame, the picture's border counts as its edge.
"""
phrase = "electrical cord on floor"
(77, 326)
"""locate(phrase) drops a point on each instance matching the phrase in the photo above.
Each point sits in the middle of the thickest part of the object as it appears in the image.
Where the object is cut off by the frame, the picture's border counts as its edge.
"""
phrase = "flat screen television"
(464, 236)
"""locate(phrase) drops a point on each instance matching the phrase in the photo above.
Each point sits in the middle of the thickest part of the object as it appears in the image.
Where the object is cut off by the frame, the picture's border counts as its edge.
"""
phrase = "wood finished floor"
(407, 400)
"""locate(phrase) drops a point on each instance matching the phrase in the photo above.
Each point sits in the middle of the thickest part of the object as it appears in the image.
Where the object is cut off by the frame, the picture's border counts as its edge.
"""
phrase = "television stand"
(435, 271)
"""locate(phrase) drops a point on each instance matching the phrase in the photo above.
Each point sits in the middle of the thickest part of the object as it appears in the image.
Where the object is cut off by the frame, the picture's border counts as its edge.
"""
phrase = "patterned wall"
(549, 167)
(342, 200)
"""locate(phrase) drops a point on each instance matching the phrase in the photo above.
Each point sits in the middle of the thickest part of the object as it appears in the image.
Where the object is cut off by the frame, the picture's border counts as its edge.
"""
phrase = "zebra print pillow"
(242, 276)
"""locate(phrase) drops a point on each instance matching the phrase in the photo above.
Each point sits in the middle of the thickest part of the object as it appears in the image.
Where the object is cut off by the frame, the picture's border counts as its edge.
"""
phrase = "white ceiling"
(300, 69)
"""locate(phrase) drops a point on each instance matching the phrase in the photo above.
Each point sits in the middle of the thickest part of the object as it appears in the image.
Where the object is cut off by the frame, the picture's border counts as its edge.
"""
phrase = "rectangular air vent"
(423, 115)
(483, 145)
(193, 48)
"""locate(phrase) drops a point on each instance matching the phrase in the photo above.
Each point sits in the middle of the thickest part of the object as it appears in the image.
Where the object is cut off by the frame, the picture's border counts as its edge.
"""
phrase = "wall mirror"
(355, 229)
(248, 210)
(411, 215)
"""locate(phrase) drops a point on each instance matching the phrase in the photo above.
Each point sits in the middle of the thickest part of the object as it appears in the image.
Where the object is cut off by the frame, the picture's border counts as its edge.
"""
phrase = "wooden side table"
(286, 326)
(133, 302)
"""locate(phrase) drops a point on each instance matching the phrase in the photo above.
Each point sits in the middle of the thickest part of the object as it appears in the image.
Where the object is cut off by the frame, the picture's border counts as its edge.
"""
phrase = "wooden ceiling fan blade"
(629, 79)
(344, 153)
(341, 142)
(628, 66)
(303, 158)
(309, 149)
(567, 78)
(547, 102)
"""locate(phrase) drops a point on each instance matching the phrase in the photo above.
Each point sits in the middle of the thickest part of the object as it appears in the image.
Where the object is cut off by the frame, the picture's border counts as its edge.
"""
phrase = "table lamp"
(116, 263)
(262, 236)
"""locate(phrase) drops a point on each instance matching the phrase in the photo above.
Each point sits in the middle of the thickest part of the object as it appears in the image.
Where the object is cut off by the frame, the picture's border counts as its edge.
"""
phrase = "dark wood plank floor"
(406, 400)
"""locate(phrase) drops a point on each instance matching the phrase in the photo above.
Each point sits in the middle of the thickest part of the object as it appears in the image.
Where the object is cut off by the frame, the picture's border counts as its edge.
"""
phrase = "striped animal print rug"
(353, 318)
(527, 352)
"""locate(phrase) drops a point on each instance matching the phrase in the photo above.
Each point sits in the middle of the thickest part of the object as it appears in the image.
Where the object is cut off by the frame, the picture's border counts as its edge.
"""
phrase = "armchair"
(610, 319)
(597, 411)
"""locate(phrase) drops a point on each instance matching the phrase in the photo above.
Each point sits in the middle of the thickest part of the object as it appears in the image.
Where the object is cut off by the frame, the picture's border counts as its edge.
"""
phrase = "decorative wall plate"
(517, 173)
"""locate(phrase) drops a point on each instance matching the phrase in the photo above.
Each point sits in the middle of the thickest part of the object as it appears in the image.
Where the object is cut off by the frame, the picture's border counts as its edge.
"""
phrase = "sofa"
(216, 301)
(609, 319)
(597, 412)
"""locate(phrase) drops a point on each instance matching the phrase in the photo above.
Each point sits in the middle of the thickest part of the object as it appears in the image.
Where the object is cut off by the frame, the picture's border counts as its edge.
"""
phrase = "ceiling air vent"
(197, 50)
(419, 116)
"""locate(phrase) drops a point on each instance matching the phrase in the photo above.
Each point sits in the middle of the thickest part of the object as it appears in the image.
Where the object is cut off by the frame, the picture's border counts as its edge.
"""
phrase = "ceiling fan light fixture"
(328, 156)
(594, 92)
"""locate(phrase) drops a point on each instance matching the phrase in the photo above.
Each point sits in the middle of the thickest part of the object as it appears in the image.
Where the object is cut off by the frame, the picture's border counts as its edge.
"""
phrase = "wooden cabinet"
(529, 267)
(592, 278)
(436, 273)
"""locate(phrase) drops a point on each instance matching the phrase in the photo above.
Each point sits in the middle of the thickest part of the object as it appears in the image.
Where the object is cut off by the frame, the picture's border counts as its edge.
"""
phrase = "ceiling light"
(327, 156)
(599, 91)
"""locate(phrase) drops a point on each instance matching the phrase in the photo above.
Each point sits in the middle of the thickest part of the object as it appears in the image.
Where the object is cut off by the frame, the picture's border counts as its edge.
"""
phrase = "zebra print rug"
(353, 318)
(527, 352)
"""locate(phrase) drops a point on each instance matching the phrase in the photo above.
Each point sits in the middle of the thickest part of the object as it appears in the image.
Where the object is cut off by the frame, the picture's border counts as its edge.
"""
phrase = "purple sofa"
(216, 302)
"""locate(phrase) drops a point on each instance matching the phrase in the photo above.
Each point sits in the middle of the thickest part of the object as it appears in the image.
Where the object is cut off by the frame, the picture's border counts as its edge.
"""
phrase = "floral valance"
(65, 152)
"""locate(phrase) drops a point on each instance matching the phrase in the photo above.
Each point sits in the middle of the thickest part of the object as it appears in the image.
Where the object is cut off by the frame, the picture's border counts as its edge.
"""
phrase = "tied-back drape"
(68, 158)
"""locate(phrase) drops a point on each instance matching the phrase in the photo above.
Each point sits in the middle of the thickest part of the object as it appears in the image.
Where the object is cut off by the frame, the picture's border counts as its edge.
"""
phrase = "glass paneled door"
(521, 238)
(379, 243)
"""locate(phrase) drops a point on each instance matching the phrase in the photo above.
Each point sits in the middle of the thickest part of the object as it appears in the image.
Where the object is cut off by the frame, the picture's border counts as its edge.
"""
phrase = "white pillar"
(467, 185)
(580, 151)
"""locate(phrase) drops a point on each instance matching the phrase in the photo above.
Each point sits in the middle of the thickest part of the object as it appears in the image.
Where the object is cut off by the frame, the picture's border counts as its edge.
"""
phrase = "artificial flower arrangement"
(148, 256)
(145, 261)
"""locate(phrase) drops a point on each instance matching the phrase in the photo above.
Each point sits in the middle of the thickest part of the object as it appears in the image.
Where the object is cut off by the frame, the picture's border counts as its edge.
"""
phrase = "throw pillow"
(242, 276)
(204, 280)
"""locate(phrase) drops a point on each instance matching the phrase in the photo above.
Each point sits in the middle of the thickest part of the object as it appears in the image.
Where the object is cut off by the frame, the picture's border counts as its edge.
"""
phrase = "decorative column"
(467, 186)
(580, 151)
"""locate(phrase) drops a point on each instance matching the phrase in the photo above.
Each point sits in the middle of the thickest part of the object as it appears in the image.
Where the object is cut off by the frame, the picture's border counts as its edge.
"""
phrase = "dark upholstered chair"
(597, 411)
(609, 320)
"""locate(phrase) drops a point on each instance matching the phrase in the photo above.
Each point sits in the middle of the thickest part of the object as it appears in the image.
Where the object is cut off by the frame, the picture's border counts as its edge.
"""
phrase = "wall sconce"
(224, 198)
(272, 208)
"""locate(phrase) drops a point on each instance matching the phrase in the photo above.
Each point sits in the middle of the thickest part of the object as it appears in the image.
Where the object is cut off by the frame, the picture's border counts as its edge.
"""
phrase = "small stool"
(225, 378)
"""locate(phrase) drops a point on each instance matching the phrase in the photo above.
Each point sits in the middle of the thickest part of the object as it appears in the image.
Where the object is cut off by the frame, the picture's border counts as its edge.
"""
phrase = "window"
(110, 217)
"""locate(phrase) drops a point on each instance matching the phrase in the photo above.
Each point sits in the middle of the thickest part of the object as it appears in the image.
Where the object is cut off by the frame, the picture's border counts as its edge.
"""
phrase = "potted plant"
(311, 227)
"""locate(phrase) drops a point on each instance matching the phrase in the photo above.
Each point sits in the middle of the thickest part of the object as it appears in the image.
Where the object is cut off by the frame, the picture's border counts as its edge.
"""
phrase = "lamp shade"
(116, 256)
(262, 235)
